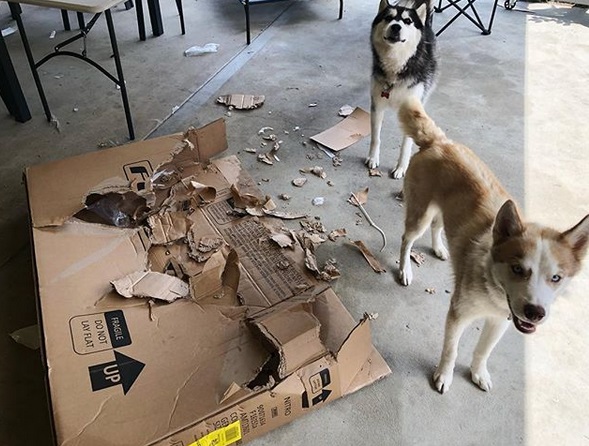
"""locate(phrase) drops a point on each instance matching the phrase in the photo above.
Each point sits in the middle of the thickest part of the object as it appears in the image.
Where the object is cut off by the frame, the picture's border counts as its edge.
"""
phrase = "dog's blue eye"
(556, 278)
(517, 269)
(407, 21)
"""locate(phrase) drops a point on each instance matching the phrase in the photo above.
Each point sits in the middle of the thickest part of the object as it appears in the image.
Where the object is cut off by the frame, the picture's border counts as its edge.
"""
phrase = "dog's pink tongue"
(524, 327)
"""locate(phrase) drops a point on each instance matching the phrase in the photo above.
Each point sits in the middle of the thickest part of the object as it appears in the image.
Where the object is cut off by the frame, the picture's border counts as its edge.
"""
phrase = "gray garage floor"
(518, 97)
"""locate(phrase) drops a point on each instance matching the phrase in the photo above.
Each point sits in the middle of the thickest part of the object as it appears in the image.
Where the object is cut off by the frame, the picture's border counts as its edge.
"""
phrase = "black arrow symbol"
(123, 370)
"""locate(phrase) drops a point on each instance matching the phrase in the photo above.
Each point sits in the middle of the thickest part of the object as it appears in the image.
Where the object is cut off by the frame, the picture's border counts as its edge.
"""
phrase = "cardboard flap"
(346, 132)
(354, 352)
(209, 140)
(293, 332)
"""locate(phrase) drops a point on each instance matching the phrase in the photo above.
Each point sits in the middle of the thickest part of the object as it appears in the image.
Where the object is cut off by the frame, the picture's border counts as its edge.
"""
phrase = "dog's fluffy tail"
(418, 125)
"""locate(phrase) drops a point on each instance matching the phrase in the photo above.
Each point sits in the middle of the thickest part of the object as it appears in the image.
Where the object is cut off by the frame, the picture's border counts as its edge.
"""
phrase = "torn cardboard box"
(251, 339)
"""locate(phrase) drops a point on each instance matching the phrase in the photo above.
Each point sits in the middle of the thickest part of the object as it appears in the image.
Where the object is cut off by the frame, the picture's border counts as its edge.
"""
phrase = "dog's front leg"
(456, 323)
(403, 162)
(492, 332)
(376, 118)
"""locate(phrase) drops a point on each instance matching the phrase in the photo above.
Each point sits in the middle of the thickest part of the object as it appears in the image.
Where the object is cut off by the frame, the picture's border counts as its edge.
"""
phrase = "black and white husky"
(404, 64)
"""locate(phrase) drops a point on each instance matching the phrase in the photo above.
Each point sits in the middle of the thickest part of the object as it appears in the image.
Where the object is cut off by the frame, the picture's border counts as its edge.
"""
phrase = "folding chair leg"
(341, 9)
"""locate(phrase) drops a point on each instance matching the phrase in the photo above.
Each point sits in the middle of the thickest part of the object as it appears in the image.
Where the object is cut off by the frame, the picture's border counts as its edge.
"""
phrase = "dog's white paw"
(398, 172)
(482, 378)
(372, 162)
(441, 252)
(443, 381)
(405, 276)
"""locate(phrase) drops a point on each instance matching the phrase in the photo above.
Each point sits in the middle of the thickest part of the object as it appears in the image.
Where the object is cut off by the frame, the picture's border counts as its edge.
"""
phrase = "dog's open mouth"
(524, 327)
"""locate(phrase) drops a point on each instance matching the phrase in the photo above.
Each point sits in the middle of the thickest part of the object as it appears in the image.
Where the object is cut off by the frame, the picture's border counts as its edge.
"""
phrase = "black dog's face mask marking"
(401, 24)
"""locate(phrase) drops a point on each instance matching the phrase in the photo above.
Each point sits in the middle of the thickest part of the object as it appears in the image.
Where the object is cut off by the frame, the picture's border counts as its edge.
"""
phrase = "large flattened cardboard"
(133, 372)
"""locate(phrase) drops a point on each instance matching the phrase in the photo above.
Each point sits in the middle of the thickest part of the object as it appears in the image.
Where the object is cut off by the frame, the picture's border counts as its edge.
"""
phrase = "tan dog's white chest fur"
(505, 269)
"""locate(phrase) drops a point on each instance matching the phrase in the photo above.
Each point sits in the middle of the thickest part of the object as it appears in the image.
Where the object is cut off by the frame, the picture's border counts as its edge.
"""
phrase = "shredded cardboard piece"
(284, 215)
(336, 233)
(263, 130)
(284, 197)
(28, 336)
(430, 290)
(202, 248)
(360, 197)
(417, 257)
(299, 182)
(336, 161)
(374, 173)
(151, 284)
(219, 280)
(168, 227)
(283, 240)
(250, 150)
(346, 132)
(241, 101)
(188, 189)
(265, 158)
(313, 226)
(370, 258)
(316, 170)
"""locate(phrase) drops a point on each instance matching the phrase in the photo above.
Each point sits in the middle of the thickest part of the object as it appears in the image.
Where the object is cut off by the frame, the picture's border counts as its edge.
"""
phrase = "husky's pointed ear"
(383, 5)
(578, 238)
(422, 12)
(507, 223)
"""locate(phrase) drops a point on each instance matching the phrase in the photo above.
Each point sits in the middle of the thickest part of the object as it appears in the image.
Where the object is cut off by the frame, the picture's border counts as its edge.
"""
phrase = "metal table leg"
(16, 12)
(10, 87)
(122, 85)
(155, 16)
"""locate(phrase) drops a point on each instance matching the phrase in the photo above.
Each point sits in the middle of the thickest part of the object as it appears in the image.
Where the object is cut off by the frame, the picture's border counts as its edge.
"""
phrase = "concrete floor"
(518, 97)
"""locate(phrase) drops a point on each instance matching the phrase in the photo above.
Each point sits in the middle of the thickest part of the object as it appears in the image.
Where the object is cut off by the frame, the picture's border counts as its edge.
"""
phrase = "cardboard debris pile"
(170, 314)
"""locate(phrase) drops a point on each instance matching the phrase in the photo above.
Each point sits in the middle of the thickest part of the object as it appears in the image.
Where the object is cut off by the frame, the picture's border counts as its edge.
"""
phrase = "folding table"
(96, 7)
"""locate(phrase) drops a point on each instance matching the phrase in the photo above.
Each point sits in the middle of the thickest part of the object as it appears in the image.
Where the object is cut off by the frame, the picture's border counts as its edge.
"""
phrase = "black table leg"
(140, 19)
(10, 87)
(66, 20)
(122, 85)
(16, 11)
(155, 16)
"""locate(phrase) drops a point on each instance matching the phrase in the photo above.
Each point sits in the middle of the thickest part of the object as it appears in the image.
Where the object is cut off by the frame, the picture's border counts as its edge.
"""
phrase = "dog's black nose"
(534, 313)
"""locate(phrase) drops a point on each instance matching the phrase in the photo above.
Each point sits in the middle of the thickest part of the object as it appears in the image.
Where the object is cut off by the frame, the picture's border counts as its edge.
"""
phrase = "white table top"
(90, 6)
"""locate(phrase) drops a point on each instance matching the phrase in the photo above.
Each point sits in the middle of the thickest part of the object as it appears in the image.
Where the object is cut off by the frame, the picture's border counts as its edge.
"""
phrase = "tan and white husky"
(505, 269)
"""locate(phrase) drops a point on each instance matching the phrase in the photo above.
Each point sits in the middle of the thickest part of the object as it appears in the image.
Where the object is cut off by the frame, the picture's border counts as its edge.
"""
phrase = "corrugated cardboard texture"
(133, 371)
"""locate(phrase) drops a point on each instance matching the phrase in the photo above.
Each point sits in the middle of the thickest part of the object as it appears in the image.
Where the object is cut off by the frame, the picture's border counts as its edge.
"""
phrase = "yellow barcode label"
(221, 437)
